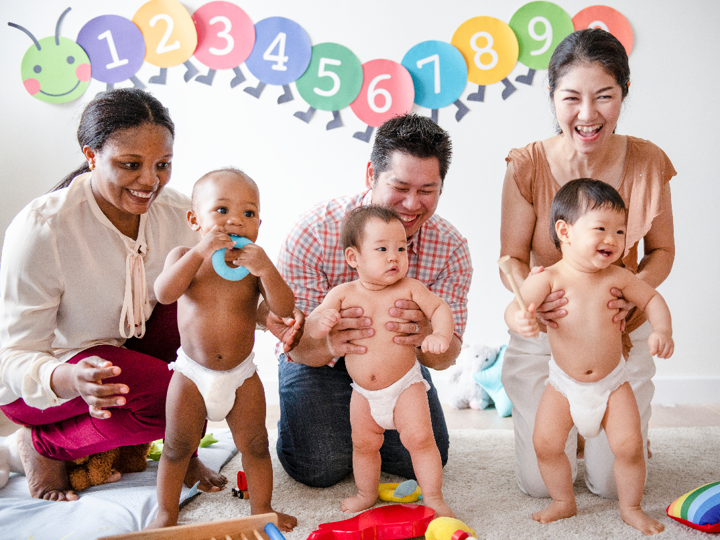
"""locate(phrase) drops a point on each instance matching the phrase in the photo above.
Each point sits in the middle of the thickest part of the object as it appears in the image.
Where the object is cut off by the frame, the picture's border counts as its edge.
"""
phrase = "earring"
(91, 164)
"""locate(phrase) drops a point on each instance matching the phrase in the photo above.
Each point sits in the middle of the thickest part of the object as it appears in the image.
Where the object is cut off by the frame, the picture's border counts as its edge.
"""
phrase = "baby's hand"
(254, 258)
(320, 326)
(661, 345)
(526, 323)
(214, 240)
(435, 344)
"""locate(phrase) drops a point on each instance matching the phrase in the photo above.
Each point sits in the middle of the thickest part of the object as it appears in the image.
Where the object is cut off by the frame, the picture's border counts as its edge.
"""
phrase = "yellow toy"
(392, 492)
(445, 528)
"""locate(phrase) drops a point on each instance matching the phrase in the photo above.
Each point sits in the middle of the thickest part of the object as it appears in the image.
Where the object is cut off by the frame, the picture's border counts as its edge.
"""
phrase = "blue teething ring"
(221, 267)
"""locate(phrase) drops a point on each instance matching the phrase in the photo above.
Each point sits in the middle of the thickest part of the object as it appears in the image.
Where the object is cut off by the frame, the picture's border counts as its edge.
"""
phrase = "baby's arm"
(278, 295)
(533, 290)
(325, 316)
(439, 314)
(182, 264)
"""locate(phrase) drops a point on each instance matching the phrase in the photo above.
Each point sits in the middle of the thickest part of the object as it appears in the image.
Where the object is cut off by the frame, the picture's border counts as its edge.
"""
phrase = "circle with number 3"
(387, 91)
(333, 79)
(282, 51)
(438, 71)
(489, 47)
(226, 35)
(540, 27)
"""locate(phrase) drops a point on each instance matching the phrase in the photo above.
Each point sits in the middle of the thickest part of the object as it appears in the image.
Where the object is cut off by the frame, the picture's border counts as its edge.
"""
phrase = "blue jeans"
(314, 434)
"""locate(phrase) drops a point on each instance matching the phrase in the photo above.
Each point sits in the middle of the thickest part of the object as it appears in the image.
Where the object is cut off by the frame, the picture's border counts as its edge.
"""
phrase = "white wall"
(672, 102)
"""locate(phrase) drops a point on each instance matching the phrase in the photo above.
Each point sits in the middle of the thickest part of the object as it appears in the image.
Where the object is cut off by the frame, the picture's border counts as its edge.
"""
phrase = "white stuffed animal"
(9, 458)
(466, 393)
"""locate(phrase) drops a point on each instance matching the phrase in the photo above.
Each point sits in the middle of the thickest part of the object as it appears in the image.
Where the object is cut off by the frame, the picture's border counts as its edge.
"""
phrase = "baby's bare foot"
(47, 478)
(358, 503)
(438, 504)
(556, 510)
(209, 479)
(635, 517)
(286, 523)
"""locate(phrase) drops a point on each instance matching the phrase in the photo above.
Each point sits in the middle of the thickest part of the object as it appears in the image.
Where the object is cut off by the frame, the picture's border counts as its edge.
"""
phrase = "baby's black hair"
(353, 226)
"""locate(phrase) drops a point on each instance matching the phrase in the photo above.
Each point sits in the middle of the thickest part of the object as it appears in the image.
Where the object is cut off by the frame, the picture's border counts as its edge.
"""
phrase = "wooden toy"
(506, 266)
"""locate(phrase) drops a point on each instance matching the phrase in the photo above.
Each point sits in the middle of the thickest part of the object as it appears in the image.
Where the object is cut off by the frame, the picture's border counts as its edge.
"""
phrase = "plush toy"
(699, 508)
(466, 393)
(9, 459)
(106, 467)
(445, 528)
(490, 381)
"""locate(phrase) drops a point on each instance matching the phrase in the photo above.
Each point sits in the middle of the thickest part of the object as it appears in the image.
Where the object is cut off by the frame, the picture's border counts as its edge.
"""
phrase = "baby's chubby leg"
(552, 425)
(367, 439)
(412, 419)
(622, 426)
(247, 424)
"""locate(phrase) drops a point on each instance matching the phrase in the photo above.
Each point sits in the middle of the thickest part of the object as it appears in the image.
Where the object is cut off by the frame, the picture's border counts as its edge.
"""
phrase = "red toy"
(391, 522)
(241, 489)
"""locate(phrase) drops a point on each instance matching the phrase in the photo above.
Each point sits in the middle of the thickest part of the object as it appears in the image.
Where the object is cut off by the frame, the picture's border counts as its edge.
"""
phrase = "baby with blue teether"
(214, 375)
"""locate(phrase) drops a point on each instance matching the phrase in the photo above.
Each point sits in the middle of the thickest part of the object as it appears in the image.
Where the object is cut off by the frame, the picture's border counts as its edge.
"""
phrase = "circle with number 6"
(438, 71)
(387, 91)
(609, 20)
(333, 79)
(539, 27)
(226, 35)
(282, 51)
(170, 36)
(115, 46)
(489, 47)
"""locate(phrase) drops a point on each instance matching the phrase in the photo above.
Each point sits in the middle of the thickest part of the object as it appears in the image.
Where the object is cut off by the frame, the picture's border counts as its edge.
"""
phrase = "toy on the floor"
(241, 491)
(466, 392)
(391, 522)
(699, 508)
(102, 468)
(445, 528)
(490, 381)
(400, 492)
(9, 459)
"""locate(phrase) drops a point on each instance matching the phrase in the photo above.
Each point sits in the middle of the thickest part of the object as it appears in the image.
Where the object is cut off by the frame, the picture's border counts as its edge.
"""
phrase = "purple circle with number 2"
(282, 51)
(115, 46)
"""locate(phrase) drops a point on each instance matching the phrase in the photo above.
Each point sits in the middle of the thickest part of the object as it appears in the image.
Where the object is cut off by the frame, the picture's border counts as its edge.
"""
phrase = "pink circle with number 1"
(226, 35)
(387, 91)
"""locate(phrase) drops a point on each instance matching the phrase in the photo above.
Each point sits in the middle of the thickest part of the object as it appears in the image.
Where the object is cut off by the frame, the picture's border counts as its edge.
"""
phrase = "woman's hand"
(86, 378)
(622, 305)
(551, 308)
(415, 326)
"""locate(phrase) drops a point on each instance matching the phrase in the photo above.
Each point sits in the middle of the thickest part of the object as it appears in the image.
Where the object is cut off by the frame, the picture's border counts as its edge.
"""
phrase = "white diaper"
(588, 401)
(382, 402)
(216, 387)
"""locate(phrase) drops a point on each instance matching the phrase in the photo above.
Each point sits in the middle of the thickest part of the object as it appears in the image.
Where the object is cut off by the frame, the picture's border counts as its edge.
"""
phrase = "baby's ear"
(562, 229)
(351, 256)
(192, 220)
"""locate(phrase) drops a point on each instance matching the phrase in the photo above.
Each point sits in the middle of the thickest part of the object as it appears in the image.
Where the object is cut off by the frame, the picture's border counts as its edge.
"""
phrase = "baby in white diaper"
(587, 383)
(214, 375)
(389, 390)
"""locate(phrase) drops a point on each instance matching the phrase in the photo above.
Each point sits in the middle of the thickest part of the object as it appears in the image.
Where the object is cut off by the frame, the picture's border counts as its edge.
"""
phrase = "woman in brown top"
(589, 77)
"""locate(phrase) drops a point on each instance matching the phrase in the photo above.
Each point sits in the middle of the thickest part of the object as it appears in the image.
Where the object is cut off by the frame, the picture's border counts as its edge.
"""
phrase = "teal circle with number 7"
(333, 78)
(539, 28)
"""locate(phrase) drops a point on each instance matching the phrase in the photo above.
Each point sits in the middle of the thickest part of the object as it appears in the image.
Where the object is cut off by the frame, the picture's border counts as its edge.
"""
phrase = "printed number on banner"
(163, 46)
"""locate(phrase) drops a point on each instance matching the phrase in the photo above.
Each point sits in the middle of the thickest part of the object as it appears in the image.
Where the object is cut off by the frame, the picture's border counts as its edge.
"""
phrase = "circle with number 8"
(282, 51)
(387, 91)
(226, 35)
(169, 32)
(438, 71)
(489, 47)
(609, 20)
(333, 79)
(539, 27)
(115, 46)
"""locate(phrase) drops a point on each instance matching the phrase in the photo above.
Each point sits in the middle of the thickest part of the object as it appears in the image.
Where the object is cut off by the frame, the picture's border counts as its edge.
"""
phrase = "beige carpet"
(479, 485)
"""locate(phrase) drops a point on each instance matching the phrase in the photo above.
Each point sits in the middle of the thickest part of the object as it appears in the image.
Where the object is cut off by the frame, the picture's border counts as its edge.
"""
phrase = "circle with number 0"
(489, 47)
(115, 46)
(226, 35)
(608, 19)
(169, 32)
(282, 51)
(539, 27)
(438, 71)
(333, 79)
(387, 91)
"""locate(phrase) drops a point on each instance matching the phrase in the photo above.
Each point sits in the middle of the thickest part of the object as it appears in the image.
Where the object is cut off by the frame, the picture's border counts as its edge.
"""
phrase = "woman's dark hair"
(113, 111)
(353, 225)
(578, 197)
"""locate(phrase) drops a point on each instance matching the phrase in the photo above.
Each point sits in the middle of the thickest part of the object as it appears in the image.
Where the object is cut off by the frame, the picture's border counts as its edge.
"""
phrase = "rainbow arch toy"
(699, 508)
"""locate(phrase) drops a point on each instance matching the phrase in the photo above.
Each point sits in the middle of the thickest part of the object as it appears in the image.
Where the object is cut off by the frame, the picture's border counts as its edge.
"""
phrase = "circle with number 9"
(539, 27)
(489, 47)
(438, 71)
(115, 46)
(387, 91)
(170, 36)
(282, 51)
(226, 35)
(333, 79)
(609, 20)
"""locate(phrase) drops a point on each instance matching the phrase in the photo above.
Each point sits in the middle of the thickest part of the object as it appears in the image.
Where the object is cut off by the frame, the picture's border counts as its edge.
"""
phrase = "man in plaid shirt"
(407, 168)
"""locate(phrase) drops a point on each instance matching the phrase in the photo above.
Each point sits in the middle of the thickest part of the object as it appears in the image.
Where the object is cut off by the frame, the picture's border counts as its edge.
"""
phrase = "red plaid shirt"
(312, 260)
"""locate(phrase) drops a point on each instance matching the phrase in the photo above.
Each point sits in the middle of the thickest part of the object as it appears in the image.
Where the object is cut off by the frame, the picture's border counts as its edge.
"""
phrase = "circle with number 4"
(387, 91)
(539, 27)
(333, 79)
(115, 46)
(169, 32)
(438, 71)
(226, 35)
(609, 20)
(282, 51)
(489, 47)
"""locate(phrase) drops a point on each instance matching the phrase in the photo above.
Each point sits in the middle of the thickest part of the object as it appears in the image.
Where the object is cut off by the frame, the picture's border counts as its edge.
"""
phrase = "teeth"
(407, 219)
(588, 129)
(141, 194)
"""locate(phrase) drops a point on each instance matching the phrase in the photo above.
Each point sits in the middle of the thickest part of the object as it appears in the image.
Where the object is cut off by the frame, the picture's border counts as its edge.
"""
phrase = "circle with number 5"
(115, 46)
(387, 91)
(438, 71)
(609, 20)
(282, 51)
(540, 27)
(226, 35)
(333, 79)
(489, 47)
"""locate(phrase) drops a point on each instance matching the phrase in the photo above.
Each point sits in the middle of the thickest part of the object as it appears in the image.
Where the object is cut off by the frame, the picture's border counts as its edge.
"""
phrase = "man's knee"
(320, 470)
